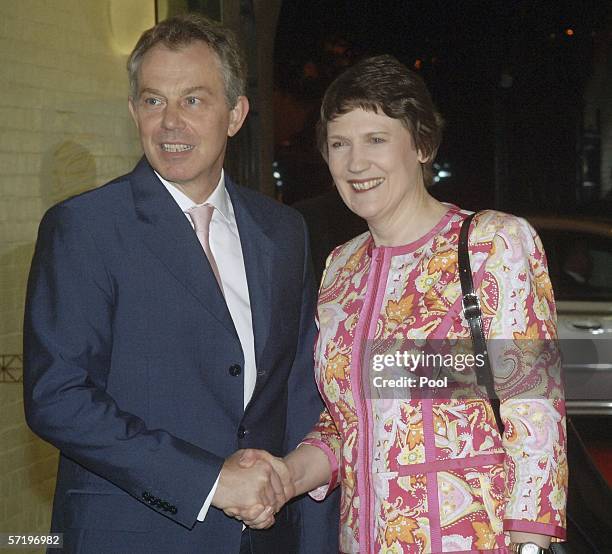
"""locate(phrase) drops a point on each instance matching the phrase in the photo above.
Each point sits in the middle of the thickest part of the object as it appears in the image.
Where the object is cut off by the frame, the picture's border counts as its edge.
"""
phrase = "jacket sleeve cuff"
(526, 526)
(320, 493)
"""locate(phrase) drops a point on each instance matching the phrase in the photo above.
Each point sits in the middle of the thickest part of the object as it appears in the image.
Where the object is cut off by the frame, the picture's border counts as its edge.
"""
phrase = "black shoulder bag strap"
(473, 315)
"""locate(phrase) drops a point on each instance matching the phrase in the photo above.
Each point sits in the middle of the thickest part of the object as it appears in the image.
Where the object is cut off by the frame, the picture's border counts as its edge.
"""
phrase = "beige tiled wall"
(64, 128)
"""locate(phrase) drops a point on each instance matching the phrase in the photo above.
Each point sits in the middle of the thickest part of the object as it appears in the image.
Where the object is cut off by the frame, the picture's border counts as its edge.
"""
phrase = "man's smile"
(174, 147)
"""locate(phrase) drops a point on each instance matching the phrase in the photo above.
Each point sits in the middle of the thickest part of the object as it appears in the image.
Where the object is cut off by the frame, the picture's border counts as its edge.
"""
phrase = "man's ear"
(421, 157)
(237, 115)
(132, 108)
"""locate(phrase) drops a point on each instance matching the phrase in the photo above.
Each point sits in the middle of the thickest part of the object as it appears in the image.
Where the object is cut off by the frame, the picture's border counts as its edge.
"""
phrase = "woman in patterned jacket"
(420, 473)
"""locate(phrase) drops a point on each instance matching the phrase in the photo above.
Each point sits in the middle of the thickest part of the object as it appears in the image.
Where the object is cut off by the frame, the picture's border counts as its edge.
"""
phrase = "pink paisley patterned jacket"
(427, 474)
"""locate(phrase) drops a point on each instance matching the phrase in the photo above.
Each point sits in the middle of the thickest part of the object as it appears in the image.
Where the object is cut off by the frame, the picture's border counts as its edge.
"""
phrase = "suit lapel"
(166, 232)
(257, 251)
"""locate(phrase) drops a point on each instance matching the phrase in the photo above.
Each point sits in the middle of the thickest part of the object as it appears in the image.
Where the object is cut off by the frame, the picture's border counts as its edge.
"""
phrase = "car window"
(580, 265)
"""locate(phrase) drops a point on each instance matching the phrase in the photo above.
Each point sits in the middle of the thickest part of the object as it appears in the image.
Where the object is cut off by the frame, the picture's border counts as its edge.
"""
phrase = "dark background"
(508, 77)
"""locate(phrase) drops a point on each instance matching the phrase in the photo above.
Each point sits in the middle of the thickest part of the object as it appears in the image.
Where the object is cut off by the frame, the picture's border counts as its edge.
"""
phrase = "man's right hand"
(251, 455)
(246, 492)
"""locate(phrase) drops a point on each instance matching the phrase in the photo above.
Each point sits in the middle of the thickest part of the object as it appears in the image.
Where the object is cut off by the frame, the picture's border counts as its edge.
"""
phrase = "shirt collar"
(219, 197)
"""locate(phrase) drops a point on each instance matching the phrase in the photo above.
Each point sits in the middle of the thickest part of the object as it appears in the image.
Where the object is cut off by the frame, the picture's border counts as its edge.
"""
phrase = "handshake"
(253, 486)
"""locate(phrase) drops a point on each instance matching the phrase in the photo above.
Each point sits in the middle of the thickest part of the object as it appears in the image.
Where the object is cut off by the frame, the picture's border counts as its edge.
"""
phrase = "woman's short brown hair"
(383, 83)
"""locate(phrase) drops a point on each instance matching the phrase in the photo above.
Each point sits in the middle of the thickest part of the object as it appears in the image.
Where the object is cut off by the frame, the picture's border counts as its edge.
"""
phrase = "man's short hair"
(181, 31)
(383, 83)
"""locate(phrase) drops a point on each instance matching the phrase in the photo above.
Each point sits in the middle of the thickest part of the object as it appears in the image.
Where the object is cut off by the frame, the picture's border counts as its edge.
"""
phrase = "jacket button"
(242, 432)
(235, 370)
(146, 496)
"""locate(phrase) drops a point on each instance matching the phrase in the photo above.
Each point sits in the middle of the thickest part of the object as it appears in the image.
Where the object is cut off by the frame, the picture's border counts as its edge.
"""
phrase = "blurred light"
(569, 32)
(127, 22)
(506, 80)
(442, 171)
(418, 64)
(311, 71)
(276, 175)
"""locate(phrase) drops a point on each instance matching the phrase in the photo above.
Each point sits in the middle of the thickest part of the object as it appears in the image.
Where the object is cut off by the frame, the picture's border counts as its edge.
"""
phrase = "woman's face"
(374, 164)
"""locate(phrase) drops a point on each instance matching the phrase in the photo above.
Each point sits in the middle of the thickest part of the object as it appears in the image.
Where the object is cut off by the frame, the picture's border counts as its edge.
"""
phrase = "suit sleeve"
(68, 348)
(319, 520)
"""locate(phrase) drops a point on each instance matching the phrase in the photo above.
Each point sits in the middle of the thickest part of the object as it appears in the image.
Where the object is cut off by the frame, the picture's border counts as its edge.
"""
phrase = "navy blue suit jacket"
(128, 348)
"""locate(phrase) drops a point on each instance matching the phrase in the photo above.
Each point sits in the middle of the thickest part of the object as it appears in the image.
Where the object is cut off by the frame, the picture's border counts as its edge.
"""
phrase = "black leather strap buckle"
(471, 306)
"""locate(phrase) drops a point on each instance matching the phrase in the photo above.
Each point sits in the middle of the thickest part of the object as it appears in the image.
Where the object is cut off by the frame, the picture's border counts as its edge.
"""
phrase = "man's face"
(183, 117)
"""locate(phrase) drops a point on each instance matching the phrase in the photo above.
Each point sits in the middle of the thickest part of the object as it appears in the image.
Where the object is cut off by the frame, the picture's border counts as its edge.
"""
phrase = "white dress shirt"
(227, 251)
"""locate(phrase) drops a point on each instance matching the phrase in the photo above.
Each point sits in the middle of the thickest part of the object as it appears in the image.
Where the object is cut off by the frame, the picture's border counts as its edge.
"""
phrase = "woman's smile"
(362, 185)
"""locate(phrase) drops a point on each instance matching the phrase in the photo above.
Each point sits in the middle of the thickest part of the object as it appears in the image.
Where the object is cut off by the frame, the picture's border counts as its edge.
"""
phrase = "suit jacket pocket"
(106, 511)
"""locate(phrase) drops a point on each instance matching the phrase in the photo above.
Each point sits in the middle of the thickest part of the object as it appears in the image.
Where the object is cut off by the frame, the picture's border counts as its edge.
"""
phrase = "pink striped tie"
(201, 216)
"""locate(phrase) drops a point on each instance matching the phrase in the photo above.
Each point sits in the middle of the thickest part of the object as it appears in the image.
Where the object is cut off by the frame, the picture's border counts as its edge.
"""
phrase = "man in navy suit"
(169, 324)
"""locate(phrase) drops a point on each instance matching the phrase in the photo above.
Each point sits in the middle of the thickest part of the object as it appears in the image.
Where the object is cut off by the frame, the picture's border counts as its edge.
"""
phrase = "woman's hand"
(260, 516)
(302, 470)
(250, 456)
(521, 537)
(250, 488)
